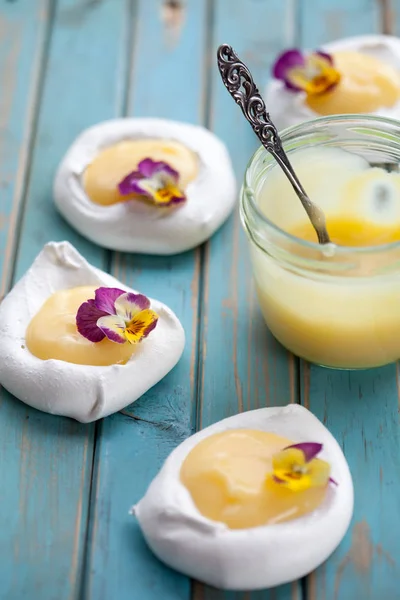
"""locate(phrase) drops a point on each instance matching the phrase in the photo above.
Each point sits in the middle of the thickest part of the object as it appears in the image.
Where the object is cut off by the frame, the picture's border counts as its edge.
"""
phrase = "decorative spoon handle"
(240, 84)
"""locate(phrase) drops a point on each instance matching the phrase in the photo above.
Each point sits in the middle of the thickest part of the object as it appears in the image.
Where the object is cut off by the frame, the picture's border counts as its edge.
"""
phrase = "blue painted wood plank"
(323, 21)
(168, 61)
(242, 367)
(46, 462)
(360, 408)
(82, 87)
(23, 31)
(129, 453)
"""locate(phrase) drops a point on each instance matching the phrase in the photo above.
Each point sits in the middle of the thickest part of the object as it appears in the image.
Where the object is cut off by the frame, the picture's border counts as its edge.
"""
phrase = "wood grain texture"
(23, 35)
(45, 461)
(167, 79)
(322, 21)
(359, 408)
(242, 366)
(77, 94)
(67, 488)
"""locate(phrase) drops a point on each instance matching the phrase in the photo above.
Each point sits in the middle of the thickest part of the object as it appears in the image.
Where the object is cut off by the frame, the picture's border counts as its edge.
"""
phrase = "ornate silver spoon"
(240, 84)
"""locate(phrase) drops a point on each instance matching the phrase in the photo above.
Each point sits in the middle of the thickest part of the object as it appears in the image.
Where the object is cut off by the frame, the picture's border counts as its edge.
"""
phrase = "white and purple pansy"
(312, 73)
(156, 181)
(120, 316)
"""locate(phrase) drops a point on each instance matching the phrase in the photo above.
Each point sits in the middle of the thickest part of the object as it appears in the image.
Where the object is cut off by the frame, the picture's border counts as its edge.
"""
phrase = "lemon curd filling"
(366, 85)
(228, 475)
(102, 176)
(52, 333)
(342, 311)
(351, 232)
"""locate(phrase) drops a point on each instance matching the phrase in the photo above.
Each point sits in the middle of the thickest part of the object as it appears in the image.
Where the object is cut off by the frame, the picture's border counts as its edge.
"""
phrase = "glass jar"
(339, 311)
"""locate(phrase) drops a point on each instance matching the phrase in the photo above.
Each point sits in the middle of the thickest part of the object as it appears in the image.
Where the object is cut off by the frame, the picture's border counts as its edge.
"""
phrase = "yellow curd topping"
(366, 84)
(228, 475)
(52, 333)
(112, 164)
(351, 232)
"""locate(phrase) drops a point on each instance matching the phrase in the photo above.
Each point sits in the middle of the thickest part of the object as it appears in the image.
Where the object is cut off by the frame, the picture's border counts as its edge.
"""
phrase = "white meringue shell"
(287, 108)
(136, 226)
(247, 559)
(83, 392)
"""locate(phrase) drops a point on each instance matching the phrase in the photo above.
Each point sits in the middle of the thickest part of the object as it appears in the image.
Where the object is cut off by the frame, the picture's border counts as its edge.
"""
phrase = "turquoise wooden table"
(66, 488)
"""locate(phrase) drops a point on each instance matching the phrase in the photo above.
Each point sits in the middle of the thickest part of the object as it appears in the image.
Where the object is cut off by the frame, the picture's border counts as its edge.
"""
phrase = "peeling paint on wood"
(387, 16)
(361, 555)
(75, 14)
(173, 14)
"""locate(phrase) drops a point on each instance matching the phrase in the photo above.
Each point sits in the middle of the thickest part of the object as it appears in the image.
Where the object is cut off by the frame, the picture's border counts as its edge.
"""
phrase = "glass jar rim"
(289, 134)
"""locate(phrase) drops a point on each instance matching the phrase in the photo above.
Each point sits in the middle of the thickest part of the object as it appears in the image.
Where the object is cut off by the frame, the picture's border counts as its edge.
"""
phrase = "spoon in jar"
(240, 84)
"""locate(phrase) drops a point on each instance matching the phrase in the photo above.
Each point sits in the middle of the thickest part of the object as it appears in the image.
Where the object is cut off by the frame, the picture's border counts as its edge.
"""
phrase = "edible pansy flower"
(120, 316)
(312, 73)
(156, 181)
(298, 468)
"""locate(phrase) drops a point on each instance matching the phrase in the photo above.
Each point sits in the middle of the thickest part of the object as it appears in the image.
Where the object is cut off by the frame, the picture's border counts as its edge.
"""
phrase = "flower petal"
(296, 484)
(155, 180)
(154, 173)
(317, 76)
(296, 467)
(286, 61)
(319, 472)
(129, 304)
(105, 298)
(285, 459)
(140, 326)
(148, 168)
(86, 321)
(325, 55)
(314, 73)
(309, 449)
(113, 327)
(162, 194)
(131, 184)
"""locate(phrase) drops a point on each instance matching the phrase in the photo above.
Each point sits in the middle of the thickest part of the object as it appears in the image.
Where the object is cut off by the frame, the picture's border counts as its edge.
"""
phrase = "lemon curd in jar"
(228, 477)
(366, 85)
(339, 308)
(52, 333)
(104, 173)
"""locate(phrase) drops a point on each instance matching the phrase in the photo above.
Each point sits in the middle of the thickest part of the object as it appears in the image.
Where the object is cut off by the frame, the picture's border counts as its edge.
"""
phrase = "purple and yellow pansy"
(297, 467)
(312, 73)
(156, 181)
(117, 315)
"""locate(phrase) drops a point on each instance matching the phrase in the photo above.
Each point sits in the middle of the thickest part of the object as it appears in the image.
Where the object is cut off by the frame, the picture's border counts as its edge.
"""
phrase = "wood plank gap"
(295, 361)
(130, 37)
(130, 41)
(24, 171)
(303, 588)
(108, 258)
(198, 367)
(204, 250)
(205, 117)
(294, 34)
(295, 7)
(197, 589)
(386, 17)
(84, 580)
